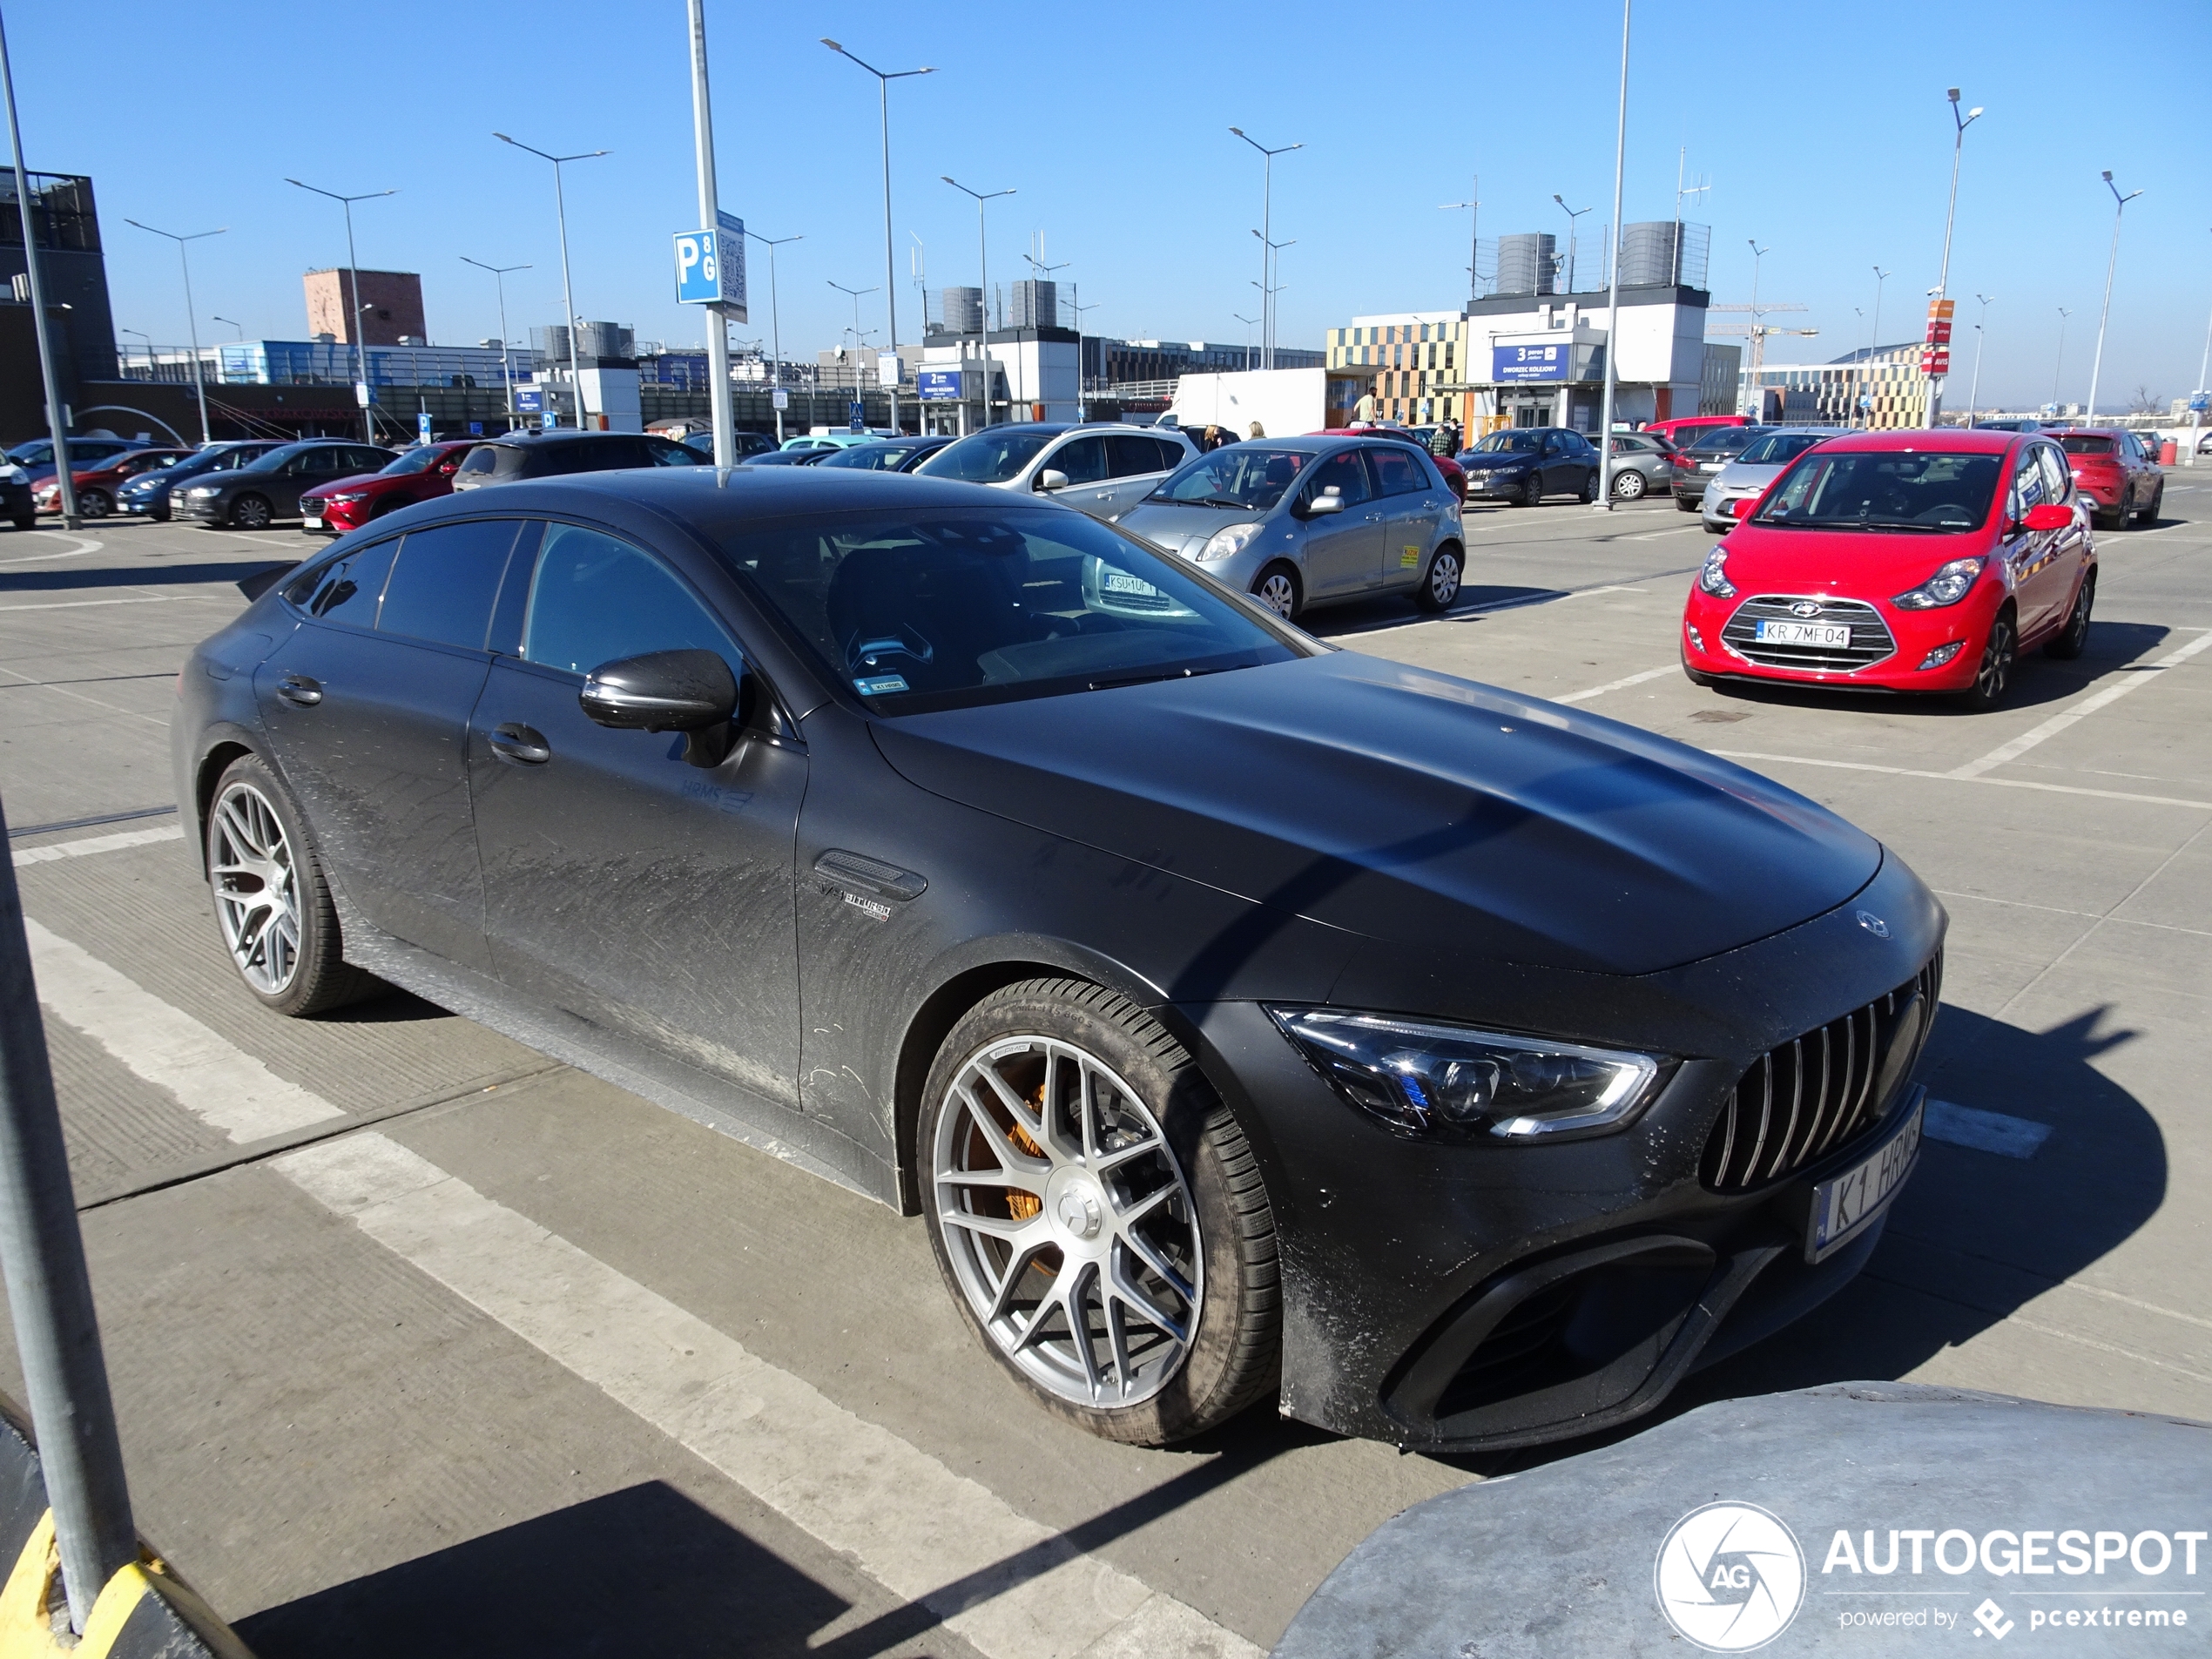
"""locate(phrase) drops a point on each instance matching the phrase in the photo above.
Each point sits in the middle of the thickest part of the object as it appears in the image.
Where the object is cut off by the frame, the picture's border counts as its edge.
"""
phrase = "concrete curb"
(144, 1612)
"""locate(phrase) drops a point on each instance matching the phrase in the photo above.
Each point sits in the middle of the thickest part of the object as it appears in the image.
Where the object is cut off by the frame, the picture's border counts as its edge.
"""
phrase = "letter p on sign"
(698, 271)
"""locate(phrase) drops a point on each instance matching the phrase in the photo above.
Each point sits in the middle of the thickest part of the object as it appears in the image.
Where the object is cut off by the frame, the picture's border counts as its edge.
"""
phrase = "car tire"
(1999, 656)
(26, 521)
(2149, 517)
(1189, 1236)
(1688, 506)
(250, 513)
(1278, 589)
(2067, 645)
(1532, 493)
(1440, 582)
(94, 503)
(273, 910)
(1589, 487)
(1629, 485)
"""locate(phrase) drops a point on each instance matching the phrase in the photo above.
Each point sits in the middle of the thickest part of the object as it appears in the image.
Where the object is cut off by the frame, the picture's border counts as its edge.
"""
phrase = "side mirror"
(1328, 501)
(691, 691)
(2050, 515)
(1052, 478)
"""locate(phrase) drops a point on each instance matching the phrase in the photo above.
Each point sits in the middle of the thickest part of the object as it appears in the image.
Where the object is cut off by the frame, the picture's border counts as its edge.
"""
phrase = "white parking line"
(211, 1078)
(93, 844)
(1679, 529)
(1001, 1581)
(81, 604)
(1615, 685)
(85, 544)
(2128, 681)
(1969, 1126)
(1961, 778)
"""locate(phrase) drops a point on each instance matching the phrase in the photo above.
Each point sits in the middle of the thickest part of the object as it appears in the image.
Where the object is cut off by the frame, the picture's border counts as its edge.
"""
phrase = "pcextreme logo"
(1729, 1577)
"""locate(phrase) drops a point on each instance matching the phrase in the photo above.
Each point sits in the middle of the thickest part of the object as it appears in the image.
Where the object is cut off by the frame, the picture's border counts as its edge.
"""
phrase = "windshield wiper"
(1150, 676)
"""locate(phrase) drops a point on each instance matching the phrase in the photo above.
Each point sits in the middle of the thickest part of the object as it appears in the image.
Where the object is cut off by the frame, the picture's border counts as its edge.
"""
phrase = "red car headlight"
(1951, 583)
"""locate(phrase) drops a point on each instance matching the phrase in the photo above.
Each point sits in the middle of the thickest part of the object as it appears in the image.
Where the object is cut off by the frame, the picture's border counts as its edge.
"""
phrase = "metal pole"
(198, 381)
(717, 330)
(567, 296)
(1880, 277)
(775, 321)
(505, 369)
(883, 79)
(1943, 279)
(2112, 263)
(2196, 416)
(2058, 368)
(1613, 296)
(50, 1293)
(355, 329)
(1267, 263)
(57, 421)
(1973, 392)
(983, 319)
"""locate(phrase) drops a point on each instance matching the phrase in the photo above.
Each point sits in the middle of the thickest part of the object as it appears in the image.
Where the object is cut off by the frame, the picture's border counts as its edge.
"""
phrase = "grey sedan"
(1643, 465)
(1298, 522)
(1732, 490)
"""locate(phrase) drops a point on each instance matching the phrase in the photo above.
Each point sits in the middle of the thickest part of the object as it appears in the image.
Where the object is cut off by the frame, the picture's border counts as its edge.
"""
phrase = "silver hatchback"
(1300, 522)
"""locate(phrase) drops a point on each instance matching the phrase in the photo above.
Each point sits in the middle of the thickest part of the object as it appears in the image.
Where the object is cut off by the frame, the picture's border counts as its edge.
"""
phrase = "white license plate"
(1843, 1207)
(1804, 633)
(313, 522)
(1116, 582)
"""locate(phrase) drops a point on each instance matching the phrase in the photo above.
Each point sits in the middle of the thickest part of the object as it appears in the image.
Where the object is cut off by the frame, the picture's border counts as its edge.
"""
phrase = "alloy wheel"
(94, 503)
(1443, 579)
(1068, 1221)
(1996, 668)
(1628, 485)
(1278, 592)
(250, 867)
(250, 513)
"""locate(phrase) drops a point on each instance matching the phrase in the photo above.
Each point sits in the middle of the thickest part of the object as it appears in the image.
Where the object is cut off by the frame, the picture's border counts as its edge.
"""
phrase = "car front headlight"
(347, 496)
(1454, 1084)
(202, 492)
(14, 476)
(1713, 578)
(1223, 542)
(1946, 587)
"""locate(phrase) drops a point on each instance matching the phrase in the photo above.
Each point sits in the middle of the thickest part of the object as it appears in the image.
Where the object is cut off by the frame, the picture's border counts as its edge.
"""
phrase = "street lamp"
(1613, 285)
(352, 316)
(1248, 323)
(983, 311)
(2119, 206)
(1073, 295)
(1474, 218)
(2059, 368)
(775, 319)
(499, 282)
(233, 323)
(2196, 414)
(1973, 392)
(1874, 344)
(890, 276)
(1267, 296)
(1572, 213)
(191, 318)
(856, 294)
(148, 338)
(1960, 123)
(568, 295)
(1758, 340)
(1267, 246)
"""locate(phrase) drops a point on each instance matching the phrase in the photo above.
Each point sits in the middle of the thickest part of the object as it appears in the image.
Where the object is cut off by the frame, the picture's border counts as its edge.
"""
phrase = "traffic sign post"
(858, 416)
(422, 426)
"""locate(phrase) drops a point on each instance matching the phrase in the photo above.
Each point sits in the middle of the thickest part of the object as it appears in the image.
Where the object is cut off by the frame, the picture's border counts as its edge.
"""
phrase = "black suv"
(546, 455)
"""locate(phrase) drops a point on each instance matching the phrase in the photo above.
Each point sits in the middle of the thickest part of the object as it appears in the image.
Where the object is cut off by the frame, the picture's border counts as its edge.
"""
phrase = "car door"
(2060, 560)
(641, 894)
(365, 709)
(304, 471)
(1340, 551)
(2030, 555)
(1410, 508)
(1083, 459)
(1553, 465)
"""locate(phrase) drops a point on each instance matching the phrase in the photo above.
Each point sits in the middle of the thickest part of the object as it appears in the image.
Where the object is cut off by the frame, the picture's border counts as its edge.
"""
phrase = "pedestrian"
(1363, 413)
(1258, 431)
(1212, 438)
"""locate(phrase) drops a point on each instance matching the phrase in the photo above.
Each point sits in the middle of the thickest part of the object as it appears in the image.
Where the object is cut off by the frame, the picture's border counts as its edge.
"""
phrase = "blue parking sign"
(698, 271)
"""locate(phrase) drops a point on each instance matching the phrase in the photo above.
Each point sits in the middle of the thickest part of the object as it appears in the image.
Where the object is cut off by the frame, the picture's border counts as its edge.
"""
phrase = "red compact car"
(2118, 477)
(98, 482)
(422, 474)
(1923, 561)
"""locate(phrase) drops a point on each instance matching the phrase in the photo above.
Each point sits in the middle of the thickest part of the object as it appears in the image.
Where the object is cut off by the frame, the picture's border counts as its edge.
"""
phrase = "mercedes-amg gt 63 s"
(1245, 1020)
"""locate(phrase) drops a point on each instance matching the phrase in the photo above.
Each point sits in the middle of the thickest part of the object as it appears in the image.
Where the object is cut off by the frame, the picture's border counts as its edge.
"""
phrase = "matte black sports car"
(1243, 1016)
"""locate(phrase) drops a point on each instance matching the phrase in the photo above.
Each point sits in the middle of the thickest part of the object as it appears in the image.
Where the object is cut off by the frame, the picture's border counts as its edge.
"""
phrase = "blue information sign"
(858, 416)
(530, 399)
(422, 426)
(1546, 362)
(2201, 402)
(938, 385)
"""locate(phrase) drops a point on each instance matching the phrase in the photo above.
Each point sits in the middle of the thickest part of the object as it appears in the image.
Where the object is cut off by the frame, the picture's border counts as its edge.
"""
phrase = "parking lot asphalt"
(424, 1343)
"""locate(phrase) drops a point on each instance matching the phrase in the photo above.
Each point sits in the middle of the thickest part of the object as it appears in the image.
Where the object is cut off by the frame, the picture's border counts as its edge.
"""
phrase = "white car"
(1102, 469)
(1731, 490)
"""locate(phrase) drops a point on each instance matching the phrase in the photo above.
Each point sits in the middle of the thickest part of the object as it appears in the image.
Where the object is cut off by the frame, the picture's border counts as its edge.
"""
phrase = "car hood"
(1408, 806)
(1858, 564)
(1179, 528)
(357, 481)
(1490, 460)
(1742, 475)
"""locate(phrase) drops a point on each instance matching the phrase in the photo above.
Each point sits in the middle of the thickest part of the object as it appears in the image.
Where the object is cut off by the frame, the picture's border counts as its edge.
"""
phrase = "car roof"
(733, 499)
(1955, 439)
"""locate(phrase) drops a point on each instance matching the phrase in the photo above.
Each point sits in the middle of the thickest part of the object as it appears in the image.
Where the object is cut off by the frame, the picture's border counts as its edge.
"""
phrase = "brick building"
(394, 299)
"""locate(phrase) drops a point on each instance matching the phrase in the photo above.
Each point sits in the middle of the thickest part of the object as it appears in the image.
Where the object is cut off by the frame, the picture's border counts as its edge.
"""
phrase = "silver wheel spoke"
(1020, 1180)
(1131, 1295)
(1032, 1169)
(1142, 1208)
(1146, 1251)
(994, 1226)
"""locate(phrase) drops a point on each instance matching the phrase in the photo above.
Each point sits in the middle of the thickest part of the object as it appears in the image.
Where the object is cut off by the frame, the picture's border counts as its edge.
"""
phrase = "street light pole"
(2196, 416)
(857, 337)
(353, 316)
(191, 317)
(1875, 344)
(721, 415)
(983, 317)
(56, 419)
(1267, 243)
(1943, 279)
(568, 293)
(1075, 294)
(499, 279)
(148, 338)
(1613, 295)
(229, 322)
(1572, 213)
(775, 319)
(1474, 219)
(2112, 262)
(890, 273)
(2059, 368)
(1973, 392)
(1248, 323)
(1758, 339)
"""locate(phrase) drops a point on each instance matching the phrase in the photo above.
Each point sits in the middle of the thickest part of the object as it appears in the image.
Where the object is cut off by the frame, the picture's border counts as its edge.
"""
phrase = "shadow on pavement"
(1397, 611)
(129, 575)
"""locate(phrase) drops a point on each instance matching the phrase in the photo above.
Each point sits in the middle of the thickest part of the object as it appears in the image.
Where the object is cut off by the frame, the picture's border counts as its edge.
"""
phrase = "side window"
(483, 458)
(1082, 459)
(1343, 472)
(1398, 470)
(666, 454)
(444, 581)
(1555, 444)
(2028, 486)
(2057, 478)
(368, 461)
(1128, 455)
(595, 599)
(345, 590)
(1172, 454)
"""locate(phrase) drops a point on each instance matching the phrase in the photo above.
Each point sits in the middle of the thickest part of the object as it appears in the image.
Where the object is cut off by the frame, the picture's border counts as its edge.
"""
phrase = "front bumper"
(336, 517)
(1913, 636)
(1496, 486)
(1454, 1299)
(213, 510)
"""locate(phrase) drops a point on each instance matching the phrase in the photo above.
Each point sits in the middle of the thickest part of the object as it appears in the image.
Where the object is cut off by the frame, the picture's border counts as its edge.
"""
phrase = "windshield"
(1510, 442)
(33, 452)
(941, 610)
(986, 457)
(870, 456)
(1778, 447)
(421, 459)
(1729, 440)
(1884, 490)
(1243, 474)
(2086, 446)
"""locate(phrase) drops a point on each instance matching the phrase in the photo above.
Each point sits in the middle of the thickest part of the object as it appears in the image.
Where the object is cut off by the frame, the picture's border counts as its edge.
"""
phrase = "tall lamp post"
(1074, 295)
(1250, 323)
(1474, 218)
(2196, 414)
(858, 338)
(775, 320)
(1960, 123)
(353, 311)
(499, 281)
(884, 78)
(2111, 261)
(2058, 368)
(568, 293)
(1276, 285)
(1613, 287)
(191, 317)
(1973, 392)
(983, 316)
(1572, 213)
(148, 338)
(232, 322)
(1267, 244)
(1758, 337)
(57, 416)
(1874, 344)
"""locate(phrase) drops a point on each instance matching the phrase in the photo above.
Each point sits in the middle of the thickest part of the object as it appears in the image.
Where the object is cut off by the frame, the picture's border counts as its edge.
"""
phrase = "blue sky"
(1823, 128)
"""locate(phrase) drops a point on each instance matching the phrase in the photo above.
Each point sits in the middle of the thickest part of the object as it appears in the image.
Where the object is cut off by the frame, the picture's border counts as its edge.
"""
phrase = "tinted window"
(365, 460)
(1342, 472)
(666, 454)
(1132, 455)
(989, 457)
(1082, 459)
(345, 590)
(483, 458)
(1778, 447)
(2086, 446)
(918, 610)
(595, 599)
(444, 582)
(1398, 470)
(1885, 490)
(1508, 442)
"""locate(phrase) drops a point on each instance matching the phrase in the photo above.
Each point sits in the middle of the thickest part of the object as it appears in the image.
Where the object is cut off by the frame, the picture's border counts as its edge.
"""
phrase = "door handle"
(300, 690)
(522, 745)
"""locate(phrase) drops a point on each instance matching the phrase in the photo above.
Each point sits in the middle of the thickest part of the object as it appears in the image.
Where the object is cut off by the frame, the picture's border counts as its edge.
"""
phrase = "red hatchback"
(422, 474)
(1900, 561)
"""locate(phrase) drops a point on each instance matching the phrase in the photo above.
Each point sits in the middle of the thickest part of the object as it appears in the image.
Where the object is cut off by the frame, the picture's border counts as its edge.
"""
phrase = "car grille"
(1870, 641)
(1806, 1097)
